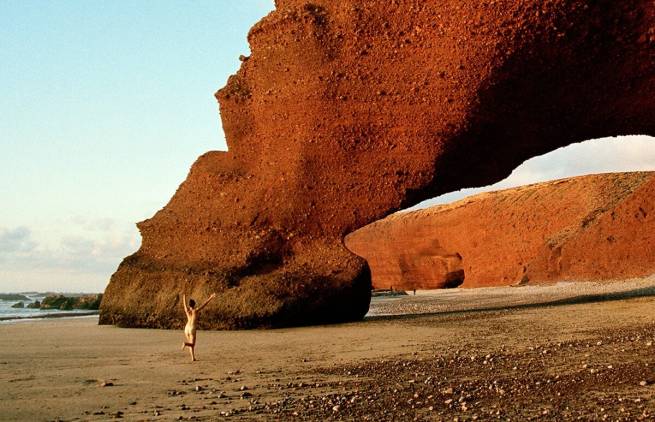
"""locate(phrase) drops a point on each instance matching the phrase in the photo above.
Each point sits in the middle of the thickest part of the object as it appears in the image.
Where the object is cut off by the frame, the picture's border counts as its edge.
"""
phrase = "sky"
(106, 105)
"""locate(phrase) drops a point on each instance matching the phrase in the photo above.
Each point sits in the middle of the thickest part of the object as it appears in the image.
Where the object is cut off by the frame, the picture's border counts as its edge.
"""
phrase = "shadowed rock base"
(300, 295)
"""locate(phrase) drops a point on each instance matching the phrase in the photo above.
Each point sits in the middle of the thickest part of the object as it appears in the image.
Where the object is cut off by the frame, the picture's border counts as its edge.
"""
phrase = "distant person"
(192, 323)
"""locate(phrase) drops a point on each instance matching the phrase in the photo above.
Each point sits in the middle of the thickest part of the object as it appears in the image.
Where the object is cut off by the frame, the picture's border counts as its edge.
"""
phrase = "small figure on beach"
(192, 323)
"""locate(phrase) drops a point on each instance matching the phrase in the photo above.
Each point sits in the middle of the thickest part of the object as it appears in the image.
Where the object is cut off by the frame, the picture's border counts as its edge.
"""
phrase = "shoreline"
(462, 300)
(49, 316)
(513, 363)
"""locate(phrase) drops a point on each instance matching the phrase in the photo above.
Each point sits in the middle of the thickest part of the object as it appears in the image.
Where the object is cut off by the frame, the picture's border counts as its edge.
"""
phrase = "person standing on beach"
(192, 323)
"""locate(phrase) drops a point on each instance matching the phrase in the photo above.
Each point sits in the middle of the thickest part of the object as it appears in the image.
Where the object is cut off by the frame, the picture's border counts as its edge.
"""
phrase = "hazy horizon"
(106, 108)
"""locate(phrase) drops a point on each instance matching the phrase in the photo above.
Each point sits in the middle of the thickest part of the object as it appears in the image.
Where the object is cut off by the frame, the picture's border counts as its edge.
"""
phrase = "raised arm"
(207, 301)
(186, 310)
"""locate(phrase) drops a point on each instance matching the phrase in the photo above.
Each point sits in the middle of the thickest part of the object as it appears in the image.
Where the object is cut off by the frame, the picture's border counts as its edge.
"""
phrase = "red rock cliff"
(597, 227)
(347, 111)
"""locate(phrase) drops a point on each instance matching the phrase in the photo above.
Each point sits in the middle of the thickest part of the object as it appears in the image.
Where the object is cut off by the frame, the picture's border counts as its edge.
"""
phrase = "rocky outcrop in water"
(67, 303)
(347, 111)
(34, 305)
(599, 227)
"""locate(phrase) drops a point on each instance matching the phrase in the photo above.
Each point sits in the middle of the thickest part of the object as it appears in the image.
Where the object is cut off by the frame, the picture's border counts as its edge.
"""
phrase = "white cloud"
(80, 262)
(16, 240)
(607, 155)
(95, 224)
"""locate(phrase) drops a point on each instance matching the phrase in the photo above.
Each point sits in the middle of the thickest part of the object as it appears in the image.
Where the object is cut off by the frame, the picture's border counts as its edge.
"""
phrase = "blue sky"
(106, 105)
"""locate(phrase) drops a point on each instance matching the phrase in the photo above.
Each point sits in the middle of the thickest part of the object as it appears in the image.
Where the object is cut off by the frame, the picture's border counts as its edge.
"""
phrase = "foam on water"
(8, 313)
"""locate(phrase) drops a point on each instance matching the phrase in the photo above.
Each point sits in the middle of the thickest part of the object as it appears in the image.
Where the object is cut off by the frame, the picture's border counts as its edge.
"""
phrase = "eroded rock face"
(599, 227)
(348, 111)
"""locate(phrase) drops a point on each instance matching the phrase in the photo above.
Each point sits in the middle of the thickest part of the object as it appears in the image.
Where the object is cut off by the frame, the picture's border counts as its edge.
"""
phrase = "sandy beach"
(566, 352)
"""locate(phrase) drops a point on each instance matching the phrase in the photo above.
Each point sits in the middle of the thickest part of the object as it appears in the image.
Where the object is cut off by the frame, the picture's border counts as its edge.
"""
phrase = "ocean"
(7, 313)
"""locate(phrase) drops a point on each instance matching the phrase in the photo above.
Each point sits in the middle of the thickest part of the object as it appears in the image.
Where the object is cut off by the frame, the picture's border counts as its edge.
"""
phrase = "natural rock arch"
(348, 111)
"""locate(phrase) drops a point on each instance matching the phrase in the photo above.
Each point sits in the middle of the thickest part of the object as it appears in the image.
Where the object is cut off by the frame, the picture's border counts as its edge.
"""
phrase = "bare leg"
(192, 346)
(188, 342)
(192, 351)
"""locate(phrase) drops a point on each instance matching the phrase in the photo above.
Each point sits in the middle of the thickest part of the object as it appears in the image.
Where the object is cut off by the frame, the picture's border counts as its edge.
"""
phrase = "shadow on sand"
(575, 300)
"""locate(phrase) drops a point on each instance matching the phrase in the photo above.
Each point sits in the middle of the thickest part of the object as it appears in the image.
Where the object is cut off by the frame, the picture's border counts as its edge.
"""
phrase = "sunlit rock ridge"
(590, 228)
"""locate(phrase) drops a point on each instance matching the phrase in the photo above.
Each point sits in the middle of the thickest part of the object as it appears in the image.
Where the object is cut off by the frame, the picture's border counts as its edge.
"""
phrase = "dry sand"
(553, 353)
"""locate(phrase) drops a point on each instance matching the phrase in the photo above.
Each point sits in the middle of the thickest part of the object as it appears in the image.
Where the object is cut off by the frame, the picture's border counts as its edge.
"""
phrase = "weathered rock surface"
(598, 227)
(348, 111)
(34, 305)
(67, 303)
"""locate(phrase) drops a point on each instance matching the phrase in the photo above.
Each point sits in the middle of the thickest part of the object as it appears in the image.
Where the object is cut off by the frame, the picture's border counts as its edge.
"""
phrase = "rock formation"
(597, 227)
(34, 305)
(347, 111)
(67, 303)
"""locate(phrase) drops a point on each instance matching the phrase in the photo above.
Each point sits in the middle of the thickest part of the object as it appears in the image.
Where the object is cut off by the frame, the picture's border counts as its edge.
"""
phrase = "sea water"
(9, 313)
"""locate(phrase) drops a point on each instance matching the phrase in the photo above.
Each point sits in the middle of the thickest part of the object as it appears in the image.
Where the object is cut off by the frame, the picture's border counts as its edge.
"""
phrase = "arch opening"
(581, 183)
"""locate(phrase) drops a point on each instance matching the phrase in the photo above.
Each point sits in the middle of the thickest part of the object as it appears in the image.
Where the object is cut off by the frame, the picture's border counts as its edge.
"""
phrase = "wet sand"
(61, 314)
(564, 352)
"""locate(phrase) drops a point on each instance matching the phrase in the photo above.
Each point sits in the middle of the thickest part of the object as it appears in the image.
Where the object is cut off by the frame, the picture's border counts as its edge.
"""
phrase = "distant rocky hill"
(67, 303)
(597, 227)
(13, 296)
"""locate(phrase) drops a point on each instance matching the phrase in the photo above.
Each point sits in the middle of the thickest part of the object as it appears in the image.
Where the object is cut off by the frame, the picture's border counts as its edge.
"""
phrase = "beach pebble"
(106, 384)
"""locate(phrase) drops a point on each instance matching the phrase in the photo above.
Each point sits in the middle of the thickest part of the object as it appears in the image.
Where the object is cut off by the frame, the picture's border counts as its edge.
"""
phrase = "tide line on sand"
(58, 315)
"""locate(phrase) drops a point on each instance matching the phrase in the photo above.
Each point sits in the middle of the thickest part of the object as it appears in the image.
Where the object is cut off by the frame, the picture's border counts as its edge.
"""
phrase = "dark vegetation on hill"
(65, 303)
